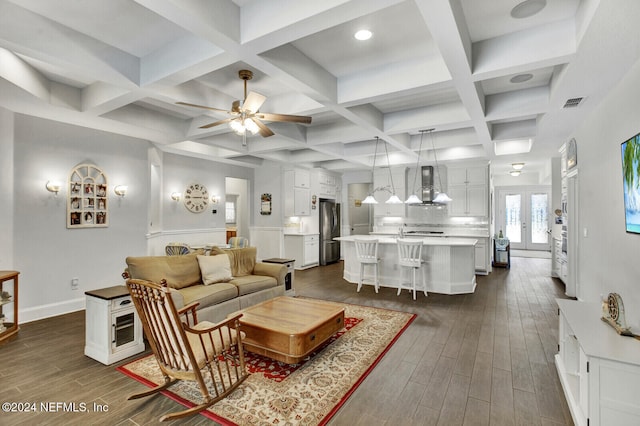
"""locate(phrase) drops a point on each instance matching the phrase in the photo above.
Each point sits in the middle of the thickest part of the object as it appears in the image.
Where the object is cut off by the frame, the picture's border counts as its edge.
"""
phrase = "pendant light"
(370, 199)
(413, 198)
(393, 199)
(442, 197)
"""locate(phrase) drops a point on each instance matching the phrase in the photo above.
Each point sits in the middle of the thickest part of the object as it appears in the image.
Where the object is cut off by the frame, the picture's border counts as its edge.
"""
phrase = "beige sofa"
(222, 282)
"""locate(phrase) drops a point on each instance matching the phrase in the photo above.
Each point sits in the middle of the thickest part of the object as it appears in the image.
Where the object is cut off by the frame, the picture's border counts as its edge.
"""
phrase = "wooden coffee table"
(288, 329)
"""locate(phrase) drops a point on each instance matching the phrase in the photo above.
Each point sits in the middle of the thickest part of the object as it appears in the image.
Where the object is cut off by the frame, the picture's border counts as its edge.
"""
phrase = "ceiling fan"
(245, 115)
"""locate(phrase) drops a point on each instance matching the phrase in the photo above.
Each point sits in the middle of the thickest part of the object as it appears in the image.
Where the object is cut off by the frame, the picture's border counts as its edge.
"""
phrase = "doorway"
(523, 216)
(236, 207)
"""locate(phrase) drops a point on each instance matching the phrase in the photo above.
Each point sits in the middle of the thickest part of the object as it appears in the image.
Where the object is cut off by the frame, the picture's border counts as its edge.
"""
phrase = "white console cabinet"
(599, 369)
(113, 329)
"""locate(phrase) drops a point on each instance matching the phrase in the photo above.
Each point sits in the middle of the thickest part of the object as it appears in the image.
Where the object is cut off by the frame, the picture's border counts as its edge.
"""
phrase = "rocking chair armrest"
(229, 322)
(190, 309)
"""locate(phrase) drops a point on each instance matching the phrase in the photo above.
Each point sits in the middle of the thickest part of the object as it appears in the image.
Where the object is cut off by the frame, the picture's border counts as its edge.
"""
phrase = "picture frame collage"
(87, 203)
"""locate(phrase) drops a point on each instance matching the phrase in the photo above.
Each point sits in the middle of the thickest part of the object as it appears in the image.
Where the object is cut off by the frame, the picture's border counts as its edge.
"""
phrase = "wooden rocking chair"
(185, 349)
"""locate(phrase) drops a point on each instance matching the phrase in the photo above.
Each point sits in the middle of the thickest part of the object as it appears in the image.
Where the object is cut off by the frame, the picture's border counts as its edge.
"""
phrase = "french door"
(524, 218)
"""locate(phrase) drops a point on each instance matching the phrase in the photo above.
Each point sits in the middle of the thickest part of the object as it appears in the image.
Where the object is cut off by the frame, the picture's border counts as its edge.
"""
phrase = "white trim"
(50, 310)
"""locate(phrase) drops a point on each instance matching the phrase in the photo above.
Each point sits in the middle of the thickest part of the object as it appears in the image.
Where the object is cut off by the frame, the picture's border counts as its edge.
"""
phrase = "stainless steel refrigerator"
(329, 229)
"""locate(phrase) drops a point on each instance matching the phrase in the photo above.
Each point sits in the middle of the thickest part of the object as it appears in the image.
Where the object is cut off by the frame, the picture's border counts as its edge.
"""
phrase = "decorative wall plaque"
(87, 203)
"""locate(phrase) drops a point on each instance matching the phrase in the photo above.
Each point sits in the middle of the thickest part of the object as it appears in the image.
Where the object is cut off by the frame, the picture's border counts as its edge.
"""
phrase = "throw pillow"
(214, 269)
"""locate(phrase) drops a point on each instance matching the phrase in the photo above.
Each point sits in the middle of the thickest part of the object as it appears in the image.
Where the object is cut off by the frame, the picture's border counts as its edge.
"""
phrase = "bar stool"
(410, 256)
(367, 254)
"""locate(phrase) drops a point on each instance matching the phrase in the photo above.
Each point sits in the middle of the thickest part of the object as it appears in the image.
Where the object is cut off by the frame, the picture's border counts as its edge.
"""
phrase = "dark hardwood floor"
(479, 359)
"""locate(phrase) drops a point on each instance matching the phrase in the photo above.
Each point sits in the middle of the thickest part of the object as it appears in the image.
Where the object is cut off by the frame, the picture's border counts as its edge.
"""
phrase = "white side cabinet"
(599, 370)
(113, 329)
(304, 248)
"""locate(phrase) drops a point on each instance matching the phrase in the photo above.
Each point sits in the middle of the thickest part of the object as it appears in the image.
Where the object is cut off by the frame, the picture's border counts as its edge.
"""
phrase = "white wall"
(608, 256)
(6, 188)
(49, 255)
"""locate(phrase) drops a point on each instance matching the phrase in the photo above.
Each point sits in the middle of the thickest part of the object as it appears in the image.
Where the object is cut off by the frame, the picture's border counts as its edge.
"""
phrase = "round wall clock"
(196, 198)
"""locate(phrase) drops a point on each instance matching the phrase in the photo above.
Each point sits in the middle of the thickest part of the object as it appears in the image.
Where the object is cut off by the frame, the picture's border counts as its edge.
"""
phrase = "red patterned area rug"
(308, 393)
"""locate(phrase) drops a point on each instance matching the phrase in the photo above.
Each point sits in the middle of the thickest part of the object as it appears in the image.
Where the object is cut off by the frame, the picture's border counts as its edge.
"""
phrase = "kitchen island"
(449, 266)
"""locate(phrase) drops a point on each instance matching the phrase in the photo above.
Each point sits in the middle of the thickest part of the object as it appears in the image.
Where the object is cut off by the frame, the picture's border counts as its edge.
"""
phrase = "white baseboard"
(51, 310)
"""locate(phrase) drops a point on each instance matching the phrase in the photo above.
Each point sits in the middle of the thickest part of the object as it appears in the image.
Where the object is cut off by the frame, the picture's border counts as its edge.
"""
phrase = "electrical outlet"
(75, 282)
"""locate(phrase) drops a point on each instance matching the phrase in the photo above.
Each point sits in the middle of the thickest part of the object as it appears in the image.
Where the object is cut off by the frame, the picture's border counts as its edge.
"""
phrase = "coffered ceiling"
(492, 86)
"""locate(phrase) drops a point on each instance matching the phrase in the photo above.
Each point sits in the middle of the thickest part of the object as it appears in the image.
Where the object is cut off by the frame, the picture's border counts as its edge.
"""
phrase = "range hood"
(427, 185)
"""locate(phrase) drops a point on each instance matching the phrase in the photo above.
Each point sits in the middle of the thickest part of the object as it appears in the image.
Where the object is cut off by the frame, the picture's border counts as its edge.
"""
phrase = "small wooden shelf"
(9, 324)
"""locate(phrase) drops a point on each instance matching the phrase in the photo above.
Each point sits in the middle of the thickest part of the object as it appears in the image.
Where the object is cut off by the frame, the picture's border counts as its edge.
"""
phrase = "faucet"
(401, 231)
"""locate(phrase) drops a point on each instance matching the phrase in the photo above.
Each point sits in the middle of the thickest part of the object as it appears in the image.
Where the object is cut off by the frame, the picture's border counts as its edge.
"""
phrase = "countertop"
(448, 234)
(429, 241)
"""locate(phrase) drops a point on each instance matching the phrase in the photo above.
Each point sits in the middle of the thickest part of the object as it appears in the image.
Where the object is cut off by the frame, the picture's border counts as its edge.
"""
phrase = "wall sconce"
(120, 190)
(215, 199)
(53, 186)
(175, 196)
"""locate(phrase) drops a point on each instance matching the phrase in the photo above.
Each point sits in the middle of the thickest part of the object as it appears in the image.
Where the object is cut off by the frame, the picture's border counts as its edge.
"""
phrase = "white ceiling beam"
(24, 76)
(446, 23)
(393, 78)
(416, 119)
(551, 45)
(64, 47)
(100, 98)
(518, 103)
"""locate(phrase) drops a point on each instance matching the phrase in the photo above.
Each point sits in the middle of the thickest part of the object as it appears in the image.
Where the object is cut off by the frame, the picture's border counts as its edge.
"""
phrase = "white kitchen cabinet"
(304, 248)
(381, 178)
(598, 369)
(297, 197)
(468, 188)
(328, 185)
(482, 255)
(556, 256)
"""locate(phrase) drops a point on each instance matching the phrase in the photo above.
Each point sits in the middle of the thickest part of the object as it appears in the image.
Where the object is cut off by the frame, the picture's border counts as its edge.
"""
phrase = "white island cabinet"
(599, 369)
(449, 263)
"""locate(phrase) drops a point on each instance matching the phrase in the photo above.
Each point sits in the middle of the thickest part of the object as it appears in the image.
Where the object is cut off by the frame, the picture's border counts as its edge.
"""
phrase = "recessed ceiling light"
(514, 172)
(517, 166)
(521, 78)
(528, 8)
(363, 35)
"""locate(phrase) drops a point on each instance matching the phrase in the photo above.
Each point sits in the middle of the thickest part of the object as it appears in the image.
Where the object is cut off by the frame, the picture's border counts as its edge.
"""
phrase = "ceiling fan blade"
(216, 123)
(284, 117)
(265, 132)
(202, 106)
(253, 102)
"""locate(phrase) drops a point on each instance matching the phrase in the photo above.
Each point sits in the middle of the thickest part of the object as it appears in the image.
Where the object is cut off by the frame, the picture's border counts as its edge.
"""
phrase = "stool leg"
(413, 283)
(360, 277)
(376, 277)
(400, 283)
(424, 281)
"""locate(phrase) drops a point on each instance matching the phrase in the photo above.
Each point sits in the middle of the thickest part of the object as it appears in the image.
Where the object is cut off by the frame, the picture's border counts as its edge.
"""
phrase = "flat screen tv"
(631, 182)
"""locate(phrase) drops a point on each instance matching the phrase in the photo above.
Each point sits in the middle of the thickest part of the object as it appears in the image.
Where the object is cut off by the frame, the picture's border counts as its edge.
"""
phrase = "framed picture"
(265, 204)
(87, 203)
(631, 183)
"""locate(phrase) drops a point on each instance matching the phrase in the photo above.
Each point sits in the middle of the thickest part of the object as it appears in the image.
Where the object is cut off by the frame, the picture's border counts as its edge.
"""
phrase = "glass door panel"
(513, 218)
(539, 221)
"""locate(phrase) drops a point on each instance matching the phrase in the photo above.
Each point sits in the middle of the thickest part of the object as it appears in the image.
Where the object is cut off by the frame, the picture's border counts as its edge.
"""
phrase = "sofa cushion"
(242, 260)
(208, 295)
(214, 269)
(179, 271)
(253, 283)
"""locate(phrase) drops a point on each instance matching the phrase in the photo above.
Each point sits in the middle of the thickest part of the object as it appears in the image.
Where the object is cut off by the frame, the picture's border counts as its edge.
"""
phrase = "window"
(230, 209)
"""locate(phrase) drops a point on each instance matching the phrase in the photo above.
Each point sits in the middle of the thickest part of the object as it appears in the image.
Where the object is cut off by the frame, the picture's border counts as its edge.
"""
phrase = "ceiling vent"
(573, 102)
